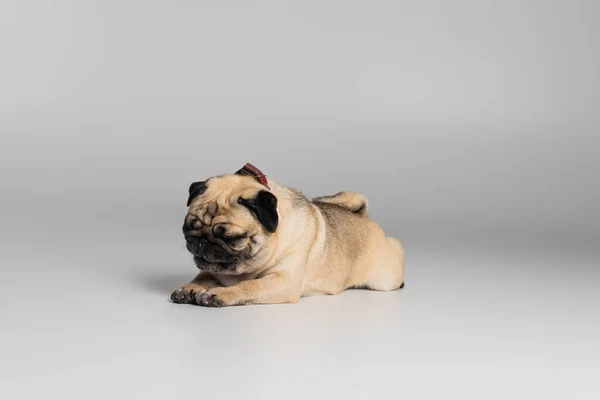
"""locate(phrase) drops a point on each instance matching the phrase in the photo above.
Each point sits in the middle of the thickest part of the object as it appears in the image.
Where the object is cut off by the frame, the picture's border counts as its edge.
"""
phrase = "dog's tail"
(353, 202)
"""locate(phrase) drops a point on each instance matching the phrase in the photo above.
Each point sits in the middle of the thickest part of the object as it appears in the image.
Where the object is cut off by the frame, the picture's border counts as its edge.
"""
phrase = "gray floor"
(86, 317)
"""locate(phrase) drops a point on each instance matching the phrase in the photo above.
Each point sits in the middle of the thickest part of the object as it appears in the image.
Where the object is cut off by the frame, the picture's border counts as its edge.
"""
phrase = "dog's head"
(231, 224)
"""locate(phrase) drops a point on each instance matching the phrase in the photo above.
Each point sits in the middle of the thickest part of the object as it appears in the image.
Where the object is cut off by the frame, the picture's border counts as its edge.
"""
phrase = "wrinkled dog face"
(230, 224)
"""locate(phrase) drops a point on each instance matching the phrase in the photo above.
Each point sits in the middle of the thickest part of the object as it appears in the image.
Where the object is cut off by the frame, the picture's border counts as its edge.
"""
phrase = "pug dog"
(256, 241)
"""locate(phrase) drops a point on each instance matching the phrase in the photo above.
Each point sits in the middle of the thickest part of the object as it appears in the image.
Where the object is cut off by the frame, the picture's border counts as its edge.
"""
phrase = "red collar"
(251, 170)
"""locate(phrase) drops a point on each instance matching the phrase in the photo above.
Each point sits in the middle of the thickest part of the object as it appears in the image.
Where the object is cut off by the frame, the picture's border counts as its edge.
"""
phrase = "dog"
(256, 241)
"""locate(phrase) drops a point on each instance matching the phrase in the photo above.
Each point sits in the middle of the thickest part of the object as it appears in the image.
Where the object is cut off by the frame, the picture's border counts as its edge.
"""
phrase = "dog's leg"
(278, 287)
(200, 284)
(384, 273)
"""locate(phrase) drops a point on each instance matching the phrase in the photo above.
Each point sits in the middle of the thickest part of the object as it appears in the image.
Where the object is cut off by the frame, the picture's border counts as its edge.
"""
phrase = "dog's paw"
(186, 294)
(210, 298)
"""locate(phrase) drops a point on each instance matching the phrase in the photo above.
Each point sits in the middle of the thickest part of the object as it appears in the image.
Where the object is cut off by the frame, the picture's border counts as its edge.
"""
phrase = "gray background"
(471, 126)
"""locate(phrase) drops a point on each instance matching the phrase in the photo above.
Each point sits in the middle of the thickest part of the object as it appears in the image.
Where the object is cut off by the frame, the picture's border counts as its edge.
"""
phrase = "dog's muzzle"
(210, 252)
(195, 245)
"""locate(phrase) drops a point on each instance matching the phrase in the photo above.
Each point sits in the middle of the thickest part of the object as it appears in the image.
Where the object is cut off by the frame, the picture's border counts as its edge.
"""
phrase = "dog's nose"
(190, 225)
(219, 231)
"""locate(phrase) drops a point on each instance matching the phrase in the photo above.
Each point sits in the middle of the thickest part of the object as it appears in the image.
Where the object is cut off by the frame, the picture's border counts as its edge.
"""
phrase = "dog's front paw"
(187, 294)
(210, 298)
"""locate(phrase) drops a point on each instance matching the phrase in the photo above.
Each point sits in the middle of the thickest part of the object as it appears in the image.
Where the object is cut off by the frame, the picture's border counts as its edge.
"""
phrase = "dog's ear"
(264, 207)
(196, 189)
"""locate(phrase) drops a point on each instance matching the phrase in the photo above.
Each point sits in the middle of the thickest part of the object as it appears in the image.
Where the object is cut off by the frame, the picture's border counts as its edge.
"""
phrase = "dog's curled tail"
(352, 201)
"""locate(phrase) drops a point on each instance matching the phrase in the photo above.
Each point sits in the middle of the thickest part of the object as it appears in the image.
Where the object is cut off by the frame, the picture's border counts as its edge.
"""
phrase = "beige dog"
(258, 242)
